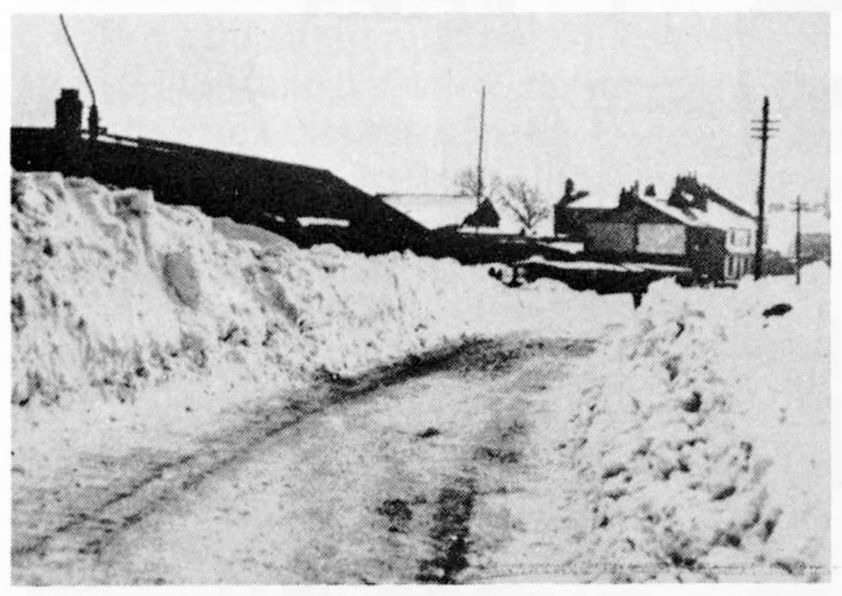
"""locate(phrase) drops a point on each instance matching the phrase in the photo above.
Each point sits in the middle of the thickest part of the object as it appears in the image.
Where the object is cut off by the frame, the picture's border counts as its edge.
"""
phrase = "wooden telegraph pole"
(764, 129)
(481, 134)
(798, 241)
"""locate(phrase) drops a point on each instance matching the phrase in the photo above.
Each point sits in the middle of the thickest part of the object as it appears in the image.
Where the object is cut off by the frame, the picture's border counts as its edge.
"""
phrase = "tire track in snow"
(87, 530)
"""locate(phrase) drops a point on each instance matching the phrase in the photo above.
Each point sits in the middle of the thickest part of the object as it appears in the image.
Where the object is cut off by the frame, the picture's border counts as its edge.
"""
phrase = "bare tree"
(525, 202)
(467, 184)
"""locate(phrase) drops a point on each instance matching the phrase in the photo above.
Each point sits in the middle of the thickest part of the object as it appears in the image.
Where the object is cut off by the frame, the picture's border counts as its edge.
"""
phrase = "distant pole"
(798, 241)
(481, 135)
(764, 131)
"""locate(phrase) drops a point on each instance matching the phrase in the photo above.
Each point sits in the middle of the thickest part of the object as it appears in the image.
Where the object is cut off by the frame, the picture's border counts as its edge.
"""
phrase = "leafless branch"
(525, 202)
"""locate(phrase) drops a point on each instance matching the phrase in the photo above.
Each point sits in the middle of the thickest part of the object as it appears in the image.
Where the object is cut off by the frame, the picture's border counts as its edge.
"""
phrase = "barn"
(308, 205)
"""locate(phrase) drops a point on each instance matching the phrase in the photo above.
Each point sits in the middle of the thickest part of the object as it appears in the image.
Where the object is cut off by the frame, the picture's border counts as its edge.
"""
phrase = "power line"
(93, 113)
(78, 59)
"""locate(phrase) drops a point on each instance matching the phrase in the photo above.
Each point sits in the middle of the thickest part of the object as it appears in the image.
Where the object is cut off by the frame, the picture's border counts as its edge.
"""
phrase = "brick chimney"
(69, 113)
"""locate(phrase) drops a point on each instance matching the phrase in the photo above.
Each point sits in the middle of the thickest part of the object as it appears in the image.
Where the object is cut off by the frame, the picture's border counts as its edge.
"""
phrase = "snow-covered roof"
(677, 214)
(509, 223)
(433, 211)
(714, 216)
(565, 245)
(718, 216)
(655, 267)
(480, 231)
(438, 211)
(323, 221)
(574, 265)
(593, 202)
(601, 266)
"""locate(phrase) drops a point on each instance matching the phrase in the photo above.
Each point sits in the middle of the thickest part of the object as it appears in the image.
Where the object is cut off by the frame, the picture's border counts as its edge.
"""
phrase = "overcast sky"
(391, 102)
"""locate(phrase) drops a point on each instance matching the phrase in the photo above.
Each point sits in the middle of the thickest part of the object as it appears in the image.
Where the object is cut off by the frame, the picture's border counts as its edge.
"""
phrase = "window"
(736, 266)
(740, 238)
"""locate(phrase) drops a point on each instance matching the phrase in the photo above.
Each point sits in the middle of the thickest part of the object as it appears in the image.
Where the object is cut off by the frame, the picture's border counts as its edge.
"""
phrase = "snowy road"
(457, 475)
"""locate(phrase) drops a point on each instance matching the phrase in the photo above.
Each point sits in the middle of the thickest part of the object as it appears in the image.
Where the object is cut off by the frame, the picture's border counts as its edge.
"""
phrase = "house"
(307, 205)
(461, 214)
(439, 212)
(569, 213)
(695, 227)
(457, 226)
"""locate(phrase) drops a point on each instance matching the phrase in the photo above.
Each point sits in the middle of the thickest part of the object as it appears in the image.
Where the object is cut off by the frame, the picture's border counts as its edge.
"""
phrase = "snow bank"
(115, 292)
(706, 436)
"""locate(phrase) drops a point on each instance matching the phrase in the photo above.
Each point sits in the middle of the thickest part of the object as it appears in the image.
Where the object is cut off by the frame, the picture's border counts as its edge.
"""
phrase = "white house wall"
(661, 239)
(740, 240)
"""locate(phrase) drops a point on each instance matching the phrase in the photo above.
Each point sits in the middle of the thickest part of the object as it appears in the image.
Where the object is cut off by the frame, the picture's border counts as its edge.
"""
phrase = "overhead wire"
(78, 59)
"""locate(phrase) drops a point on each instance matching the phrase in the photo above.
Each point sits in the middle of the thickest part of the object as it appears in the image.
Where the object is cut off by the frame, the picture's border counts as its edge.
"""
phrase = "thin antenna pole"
(481, 135)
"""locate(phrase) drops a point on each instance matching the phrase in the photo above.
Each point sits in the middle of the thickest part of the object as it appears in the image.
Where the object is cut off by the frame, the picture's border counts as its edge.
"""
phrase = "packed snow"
(705, 435)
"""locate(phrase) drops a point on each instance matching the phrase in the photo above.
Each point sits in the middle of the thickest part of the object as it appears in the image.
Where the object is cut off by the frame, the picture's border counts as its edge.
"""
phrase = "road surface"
(455, 471)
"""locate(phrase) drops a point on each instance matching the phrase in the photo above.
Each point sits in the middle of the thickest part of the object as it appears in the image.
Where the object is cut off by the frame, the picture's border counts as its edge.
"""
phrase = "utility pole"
(764, 131)
(481, 134)
(798, 241)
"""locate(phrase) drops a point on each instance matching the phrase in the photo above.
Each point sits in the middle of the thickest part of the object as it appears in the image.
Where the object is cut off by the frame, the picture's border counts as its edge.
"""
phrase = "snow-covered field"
(702, 433)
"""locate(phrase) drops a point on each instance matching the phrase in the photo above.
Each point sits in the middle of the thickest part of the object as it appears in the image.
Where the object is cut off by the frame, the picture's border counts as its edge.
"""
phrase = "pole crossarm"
(764, 135)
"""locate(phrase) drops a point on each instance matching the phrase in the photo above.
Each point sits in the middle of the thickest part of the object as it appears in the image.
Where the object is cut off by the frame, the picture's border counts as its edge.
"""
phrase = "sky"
(391, 102)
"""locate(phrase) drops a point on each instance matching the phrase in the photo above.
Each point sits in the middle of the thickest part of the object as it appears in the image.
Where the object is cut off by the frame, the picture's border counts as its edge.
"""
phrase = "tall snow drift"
(114, 291)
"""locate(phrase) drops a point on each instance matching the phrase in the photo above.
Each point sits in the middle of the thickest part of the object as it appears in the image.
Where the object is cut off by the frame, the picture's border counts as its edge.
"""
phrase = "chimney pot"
(69, 113)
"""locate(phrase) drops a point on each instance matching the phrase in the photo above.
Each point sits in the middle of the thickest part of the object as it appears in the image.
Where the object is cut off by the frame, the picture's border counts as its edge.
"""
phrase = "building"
(307, 205)
(695, 227)
(815, 246)
(457, 226)
(456, 213)
(438, 212)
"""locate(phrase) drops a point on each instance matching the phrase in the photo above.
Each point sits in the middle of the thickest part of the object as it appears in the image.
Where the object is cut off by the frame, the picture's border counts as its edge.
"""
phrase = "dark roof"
(248, 189)
(139, 162)
(700, 194)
